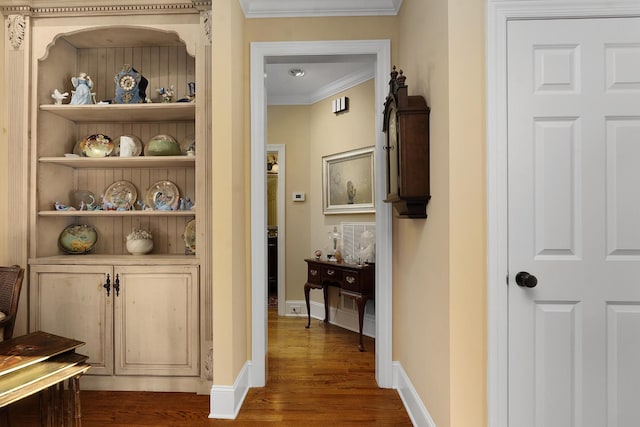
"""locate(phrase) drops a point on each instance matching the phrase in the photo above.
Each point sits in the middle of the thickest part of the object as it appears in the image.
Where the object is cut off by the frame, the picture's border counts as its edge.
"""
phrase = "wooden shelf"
(117, 259)
(106, 214)
(103, 113)
(122, 162)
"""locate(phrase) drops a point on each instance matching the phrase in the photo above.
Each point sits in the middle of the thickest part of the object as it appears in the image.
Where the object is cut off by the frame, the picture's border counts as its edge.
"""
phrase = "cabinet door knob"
(107, 284)
(116, 285)
(331, 272)
(350, 279)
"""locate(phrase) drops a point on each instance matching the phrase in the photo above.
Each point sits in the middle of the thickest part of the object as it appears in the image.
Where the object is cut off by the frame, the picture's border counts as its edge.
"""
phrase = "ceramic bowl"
(162, 145)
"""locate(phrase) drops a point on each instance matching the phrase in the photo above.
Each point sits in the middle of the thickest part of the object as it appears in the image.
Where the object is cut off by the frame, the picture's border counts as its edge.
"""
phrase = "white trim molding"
(225, 401)
(297, 8)
(260, 51)
(499, 13)
(416, 410)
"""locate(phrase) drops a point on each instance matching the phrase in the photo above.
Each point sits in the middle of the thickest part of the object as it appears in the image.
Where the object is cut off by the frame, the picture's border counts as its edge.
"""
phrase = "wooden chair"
(10, 286)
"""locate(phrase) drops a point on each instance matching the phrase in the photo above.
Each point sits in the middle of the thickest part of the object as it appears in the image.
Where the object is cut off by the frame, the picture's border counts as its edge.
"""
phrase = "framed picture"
(347, 182)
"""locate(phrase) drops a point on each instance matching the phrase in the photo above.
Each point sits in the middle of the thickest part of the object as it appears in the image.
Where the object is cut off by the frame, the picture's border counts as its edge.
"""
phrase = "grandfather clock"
(406, 125)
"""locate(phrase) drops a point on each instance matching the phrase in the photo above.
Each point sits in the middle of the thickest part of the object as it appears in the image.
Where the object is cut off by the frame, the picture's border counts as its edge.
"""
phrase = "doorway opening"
(276, 263)
(260, 52)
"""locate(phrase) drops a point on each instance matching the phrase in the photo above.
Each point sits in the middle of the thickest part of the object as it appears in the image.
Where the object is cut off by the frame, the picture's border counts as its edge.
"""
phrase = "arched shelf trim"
(112, 36)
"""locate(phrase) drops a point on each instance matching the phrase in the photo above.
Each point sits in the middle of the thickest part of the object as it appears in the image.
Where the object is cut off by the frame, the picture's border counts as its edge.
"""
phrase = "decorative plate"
(190, 237)
(97, 145)
(163, 196)
(78, 239)
(137, 146)
(122, 195)
(162, 145)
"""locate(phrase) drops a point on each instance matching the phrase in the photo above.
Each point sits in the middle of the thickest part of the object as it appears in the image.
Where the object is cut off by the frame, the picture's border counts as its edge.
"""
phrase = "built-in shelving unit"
(115, 302)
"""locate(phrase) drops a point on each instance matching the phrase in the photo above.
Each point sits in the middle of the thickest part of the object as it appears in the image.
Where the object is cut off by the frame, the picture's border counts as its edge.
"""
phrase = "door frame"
(259, 52)
(499, 13)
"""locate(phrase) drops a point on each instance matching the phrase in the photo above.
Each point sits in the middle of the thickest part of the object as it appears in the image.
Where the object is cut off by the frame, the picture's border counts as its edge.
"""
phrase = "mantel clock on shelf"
(131, 86)
(406, 128)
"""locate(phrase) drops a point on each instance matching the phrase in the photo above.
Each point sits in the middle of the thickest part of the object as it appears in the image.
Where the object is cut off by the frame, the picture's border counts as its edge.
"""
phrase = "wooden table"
(355, 281)
(42, 362)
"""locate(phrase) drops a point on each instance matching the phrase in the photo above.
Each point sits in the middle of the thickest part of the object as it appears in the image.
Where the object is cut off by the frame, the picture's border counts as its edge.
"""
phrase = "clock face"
(127, 82)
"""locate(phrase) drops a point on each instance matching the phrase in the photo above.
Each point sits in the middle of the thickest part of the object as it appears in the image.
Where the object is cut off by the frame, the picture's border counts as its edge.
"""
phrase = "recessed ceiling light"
(296, 72)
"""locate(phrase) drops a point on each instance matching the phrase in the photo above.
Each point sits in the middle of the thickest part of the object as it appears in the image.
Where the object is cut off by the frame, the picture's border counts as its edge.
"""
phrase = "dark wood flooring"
(316, 377)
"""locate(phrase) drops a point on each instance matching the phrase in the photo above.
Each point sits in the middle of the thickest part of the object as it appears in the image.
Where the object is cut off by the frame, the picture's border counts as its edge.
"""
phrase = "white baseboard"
(225, 400)
(418, 413)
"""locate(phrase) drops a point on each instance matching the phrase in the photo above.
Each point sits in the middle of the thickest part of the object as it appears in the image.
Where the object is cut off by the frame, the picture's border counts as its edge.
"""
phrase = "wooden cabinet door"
(156, 321)
(71, 301)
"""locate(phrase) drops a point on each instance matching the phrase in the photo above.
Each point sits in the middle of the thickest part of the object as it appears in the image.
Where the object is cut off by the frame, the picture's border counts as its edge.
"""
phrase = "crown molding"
(297, 8)
(47, 8)
(337, 86)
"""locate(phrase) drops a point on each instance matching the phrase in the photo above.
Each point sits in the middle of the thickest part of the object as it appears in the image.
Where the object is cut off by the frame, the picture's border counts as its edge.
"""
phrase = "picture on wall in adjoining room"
(347, 182)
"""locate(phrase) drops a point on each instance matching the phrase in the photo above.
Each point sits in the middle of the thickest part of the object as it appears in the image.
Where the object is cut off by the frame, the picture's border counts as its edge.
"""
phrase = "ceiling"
(324, 75)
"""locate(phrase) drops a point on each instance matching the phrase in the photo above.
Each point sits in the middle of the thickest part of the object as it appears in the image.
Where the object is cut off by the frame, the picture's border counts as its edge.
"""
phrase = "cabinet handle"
(116, 285)
(331, 272)
(350, 279)
(313, 272)
(107, 284)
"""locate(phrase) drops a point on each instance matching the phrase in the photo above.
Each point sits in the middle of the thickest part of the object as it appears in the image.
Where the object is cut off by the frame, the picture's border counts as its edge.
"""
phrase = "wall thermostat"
(297, 196)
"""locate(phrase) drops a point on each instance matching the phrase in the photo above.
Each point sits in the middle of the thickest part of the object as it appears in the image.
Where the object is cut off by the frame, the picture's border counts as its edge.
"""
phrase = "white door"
(574, 222)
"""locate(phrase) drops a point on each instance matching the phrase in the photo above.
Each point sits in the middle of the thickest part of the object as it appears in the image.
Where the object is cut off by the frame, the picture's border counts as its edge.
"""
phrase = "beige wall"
(331, 134)
(333, 28)
(310, 132)
(230, 158)
(468, 219)
(439, 264)
(289, 125)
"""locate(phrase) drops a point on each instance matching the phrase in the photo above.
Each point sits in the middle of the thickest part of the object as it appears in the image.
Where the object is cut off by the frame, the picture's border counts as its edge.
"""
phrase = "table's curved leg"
(306, 300)
(361, 304)
(325, 294)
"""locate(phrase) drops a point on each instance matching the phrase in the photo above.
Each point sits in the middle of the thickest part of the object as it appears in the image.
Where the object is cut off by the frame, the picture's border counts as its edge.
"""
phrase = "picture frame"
(348, 184)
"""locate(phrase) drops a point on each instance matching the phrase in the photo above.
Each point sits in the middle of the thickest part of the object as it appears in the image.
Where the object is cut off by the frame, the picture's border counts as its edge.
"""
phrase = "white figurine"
(59, 97)
(83, 85)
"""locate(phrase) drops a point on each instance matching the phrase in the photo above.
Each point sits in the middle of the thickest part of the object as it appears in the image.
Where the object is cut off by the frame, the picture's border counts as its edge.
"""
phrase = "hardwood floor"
(316, 377)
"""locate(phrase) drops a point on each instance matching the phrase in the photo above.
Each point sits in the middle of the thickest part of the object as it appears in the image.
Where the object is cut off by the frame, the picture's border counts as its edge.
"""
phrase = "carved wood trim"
(206, 21)
(16, 26)
(105, 10)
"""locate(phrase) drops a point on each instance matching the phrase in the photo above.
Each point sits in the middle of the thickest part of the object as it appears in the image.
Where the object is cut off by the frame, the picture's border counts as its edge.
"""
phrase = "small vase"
(139, 246)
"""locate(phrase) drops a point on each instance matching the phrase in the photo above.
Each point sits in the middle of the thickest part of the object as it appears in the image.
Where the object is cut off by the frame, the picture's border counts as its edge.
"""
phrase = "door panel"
(156, 321)
(574, 222)
(73, 303)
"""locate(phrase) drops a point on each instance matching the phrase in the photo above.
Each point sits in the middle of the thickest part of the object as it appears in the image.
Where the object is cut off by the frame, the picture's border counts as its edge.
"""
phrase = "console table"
(355, 281)
(37, 362)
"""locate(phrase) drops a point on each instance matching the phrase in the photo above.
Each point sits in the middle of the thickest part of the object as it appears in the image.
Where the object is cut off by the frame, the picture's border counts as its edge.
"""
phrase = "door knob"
(526, 280)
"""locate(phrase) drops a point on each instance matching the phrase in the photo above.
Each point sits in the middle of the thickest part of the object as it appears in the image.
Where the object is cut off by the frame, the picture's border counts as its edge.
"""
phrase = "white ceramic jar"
(139, 242)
